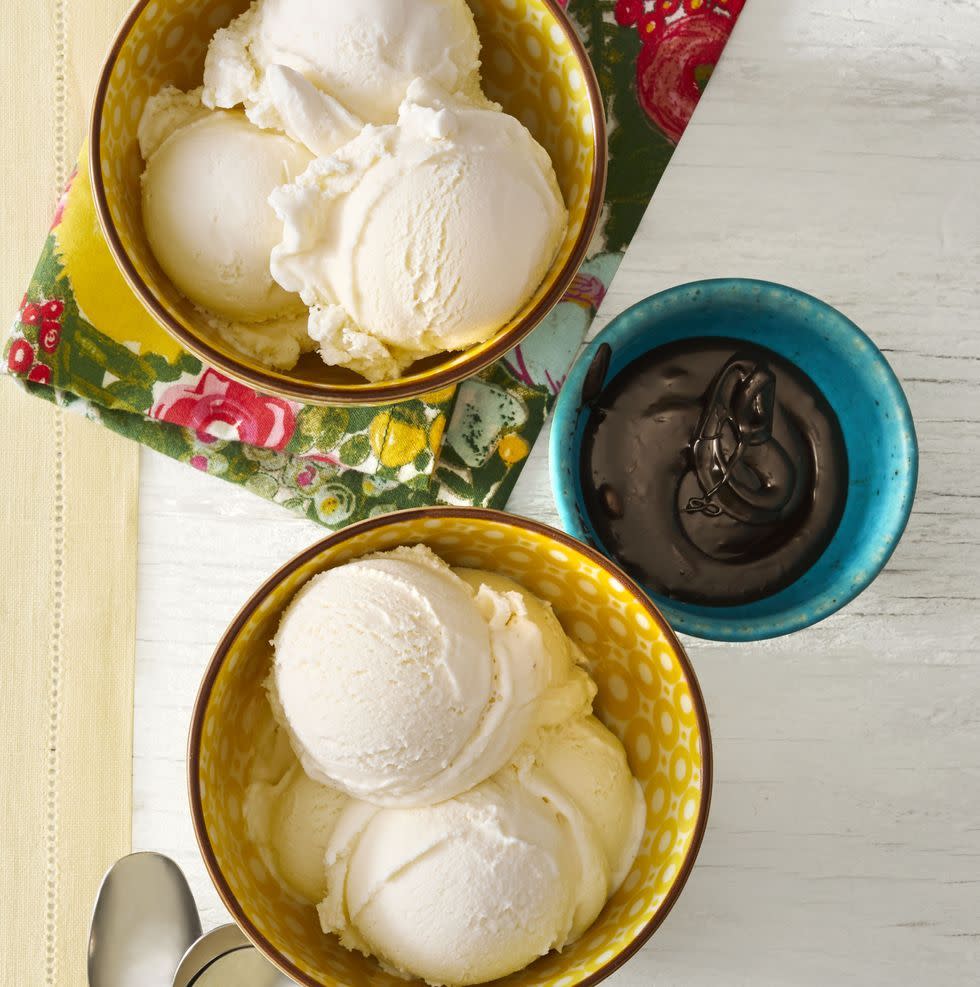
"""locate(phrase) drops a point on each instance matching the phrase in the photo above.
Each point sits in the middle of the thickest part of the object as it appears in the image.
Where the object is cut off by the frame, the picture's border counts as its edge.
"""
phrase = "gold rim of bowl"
(500, 517)
(367, 393)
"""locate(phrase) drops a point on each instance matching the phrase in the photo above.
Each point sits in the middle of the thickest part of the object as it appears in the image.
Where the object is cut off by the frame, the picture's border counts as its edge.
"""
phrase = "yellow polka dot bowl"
(533, 64)
(648, 696)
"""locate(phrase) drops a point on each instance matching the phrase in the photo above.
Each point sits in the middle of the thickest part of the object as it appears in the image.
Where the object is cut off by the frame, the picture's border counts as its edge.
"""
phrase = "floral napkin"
(83, 340)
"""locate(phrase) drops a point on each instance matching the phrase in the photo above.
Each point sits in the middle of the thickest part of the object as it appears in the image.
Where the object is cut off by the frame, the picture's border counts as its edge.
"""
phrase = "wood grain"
(836, 150)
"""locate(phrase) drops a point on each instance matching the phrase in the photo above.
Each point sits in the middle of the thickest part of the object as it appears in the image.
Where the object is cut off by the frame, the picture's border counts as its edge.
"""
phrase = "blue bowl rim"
(720, 628)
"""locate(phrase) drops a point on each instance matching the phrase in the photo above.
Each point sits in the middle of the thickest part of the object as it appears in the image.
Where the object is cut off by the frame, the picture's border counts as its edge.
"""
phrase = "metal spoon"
(224, 956)
(144, 921)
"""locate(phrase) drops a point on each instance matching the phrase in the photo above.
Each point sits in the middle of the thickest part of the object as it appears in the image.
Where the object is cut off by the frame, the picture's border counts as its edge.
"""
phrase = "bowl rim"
(366, 393)
(822, 604)
(459, 513)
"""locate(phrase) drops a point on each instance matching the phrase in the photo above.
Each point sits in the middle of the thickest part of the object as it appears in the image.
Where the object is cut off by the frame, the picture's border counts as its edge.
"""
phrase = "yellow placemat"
(68, 495)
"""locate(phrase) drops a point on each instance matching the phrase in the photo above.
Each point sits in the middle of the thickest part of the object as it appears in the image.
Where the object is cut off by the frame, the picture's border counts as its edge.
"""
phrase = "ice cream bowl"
(648, 696)
(533, 64)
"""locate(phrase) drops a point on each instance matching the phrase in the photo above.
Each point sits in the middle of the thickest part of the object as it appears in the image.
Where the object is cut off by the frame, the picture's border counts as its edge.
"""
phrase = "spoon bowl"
(225, 956)
(145, 919)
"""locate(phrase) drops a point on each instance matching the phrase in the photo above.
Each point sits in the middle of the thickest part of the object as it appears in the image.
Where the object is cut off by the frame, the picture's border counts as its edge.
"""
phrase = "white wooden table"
(837, 150)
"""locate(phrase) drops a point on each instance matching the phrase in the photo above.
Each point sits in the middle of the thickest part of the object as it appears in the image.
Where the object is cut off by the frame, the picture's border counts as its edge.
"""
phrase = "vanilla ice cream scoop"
(289, 816)
(461, 892)
(397, 684)
(589, 764)
(346, 62)
(524, 627)
(421, 236)
(166, 112)
(206, 186)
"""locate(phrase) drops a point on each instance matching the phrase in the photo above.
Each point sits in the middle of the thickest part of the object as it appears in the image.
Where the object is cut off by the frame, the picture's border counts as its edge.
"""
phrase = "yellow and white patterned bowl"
(648, 696)
(533, 64)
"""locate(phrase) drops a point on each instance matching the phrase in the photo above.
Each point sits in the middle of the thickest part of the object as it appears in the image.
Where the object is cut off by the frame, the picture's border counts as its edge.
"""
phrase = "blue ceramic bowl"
(854, 377)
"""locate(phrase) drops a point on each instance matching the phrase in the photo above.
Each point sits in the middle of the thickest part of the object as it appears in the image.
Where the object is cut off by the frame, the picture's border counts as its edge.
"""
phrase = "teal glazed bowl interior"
(855, 379)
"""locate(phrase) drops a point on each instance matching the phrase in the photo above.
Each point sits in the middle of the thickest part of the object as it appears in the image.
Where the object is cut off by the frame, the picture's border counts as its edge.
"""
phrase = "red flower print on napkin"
(682, 41)
(20, 357)
(40, 374)
(50, 335)
(668, 65)
(628, 12)
(218, 408)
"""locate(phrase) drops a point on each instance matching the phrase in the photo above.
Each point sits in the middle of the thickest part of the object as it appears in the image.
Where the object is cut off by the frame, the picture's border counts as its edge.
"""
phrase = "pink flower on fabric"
(200, 463)
(585, 290)
(217, 407)
(668, 67)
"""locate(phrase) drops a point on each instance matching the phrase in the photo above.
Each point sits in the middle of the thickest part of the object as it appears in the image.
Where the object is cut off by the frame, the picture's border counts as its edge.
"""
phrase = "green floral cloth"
(82, 340)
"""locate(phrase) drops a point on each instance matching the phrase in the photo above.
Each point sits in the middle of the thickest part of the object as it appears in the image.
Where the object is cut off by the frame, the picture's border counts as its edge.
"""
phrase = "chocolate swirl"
(715, 471)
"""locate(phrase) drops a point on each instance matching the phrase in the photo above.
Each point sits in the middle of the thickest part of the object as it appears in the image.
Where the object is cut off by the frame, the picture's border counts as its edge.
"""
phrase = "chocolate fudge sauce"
(713, 469)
